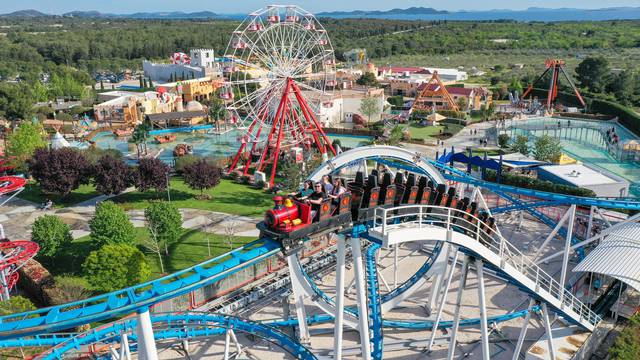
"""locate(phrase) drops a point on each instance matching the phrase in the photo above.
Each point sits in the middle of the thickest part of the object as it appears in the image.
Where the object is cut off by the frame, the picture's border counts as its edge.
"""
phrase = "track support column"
(339, 315)
(443, 297)
(363, 318)
(301, 313)
(484, 328)
(146, 341)
(547, 328)
(439, 268)
(567, 247)
(456, 317)
(523, 331)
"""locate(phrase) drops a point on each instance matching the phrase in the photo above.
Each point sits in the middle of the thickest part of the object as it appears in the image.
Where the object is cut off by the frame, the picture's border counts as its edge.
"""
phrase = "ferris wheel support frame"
(286, 112)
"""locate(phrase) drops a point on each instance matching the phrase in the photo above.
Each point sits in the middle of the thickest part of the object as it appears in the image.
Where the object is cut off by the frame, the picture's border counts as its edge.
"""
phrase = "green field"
(418, 131)
(227, 197)
(32, 192)
(190, 249)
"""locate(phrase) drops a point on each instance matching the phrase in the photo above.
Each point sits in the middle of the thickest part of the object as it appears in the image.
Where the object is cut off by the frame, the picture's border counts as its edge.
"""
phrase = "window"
(207, 54)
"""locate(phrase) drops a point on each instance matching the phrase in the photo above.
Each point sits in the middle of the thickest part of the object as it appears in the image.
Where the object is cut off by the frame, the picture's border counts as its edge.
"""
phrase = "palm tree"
(217, 111)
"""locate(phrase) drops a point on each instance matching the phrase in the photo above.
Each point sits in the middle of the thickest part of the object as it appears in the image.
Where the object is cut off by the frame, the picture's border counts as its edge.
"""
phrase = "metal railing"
(460, 221)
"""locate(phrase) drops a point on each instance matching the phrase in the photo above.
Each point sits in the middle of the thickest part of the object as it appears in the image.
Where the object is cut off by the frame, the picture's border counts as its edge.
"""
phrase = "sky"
(244, 6)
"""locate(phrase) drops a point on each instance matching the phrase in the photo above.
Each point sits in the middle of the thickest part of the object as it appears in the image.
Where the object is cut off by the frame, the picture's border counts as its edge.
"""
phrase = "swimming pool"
(584, 141)
(204, 144)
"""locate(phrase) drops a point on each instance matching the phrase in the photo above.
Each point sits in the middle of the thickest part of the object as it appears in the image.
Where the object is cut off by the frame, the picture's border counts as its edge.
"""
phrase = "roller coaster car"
(291, 221)
(387, 191)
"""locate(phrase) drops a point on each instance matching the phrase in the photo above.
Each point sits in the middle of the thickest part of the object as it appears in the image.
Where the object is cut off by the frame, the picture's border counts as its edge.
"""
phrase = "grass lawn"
(33, 192)
(418, 131)
(190, 249)
(227, 197)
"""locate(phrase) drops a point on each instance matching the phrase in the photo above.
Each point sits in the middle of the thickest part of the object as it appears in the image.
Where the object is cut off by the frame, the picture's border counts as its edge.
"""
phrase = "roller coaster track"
(127, 301)
(374, 302)
(180, 326)
(488, 245)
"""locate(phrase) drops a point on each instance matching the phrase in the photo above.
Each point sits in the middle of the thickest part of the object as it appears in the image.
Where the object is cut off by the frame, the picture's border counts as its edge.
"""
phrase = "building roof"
(453, 90)
(579, 175)
(176, 115)
(403, 69)
(517, 160)
(616, 256)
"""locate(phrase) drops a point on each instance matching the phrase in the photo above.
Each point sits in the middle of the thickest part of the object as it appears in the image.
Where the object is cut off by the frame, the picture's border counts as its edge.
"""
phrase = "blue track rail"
(180, 326)
(128, 300)
(374, 302)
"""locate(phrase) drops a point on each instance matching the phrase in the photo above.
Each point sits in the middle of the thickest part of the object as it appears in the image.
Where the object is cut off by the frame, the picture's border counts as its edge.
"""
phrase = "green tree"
(110, 225)
(368, 79)
(395, 135)
(594, 73)
(164, 222)
(521, 145)
(462, 103)
(623, 86)
(51, 234)
(16, 102)
(515, 85)
(114, 267)
(503, 140)
(370, 106)
(627, 344)
(39, 92)
(16, 304)
(23, 142)
(547, 148)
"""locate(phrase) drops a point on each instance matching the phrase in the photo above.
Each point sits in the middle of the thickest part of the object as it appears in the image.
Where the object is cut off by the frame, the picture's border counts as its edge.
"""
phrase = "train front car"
(291, 222)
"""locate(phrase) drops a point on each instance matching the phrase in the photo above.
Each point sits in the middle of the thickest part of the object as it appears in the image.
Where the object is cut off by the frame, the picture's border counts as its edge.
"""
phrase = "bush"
(184, 161)
(69, 289)
(93, 154)
(452, 114)
(165, 220)
(110, 225)
(151, 174)
(627, 344)
(111, 175)
(503, 140)
(51, 234)
(60, 171)
(201, 175)
(537, 184)
(16, 304)
(114, 267)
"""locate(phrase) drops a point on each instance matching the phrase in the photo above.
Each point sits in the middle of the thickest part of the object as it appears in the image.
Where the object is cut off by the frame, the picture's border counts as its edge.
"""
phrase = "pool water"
(587, 145)
(204, 144)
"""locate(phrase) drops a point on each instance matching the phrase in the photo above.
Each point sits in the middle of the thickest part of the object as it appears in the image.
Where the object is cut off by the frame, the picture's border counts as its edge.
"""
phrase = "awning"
(517, 160)
(617, 256)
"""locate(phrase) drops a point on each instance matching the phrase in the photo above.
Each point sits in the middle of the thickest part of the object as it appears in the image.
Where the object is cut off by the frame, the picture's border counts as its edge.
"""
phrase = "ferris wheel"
(280, 70)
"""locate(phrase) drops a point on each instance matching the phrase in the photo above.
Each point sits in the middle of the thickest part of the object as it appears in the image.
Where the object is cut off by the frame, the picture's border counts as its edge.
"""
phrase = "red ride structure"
(13, 254)
(555, 67)
(294, 118)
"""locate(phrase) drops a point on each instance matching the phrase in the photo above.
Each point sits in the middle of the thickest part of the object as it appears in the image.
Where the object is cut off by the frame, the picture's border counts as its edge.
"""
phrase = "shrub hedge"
(537, 184)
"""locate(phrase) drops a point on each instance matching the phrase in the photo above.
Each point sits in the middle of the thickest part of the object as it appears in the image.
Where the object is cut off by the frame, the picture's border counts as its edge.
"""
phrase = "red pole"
(273, 127)
(305, 106)
(304, 138)
(253, 147)
(277, 152)
(237, 157)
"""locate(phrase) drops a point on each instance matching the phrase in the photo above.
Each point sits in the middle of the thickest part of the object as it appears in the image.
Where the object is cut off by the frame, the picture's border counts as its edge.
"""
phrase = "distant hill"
(146, 15)
(24, 13)
(408, 11)
(140, 15)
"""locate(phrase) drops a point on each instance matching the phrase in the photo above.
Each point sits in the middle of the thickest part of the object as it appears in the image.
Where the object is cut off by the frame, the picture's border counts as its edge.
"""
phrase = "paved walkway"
(18, 217)
(463, 139)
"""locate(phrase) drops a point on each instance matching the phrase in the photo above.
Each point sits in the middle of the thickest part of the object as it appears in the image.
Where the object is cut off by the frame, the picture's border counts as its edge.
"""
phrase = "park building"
(344, 103)
(200, 63)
